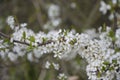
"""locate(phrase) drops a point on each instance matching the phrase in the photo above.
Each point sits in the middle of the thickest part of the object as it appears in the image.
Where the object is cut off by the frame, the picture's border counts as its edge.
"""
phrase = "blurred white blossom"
(12, 56)
(11, 21)
(54, 17)
(104, 7)
(30, 57)
(23, 24)
(73, 5)
(56, 66)
(62, 76)
(53, 11)
(114, 1)
(47, 65)
(111, 16)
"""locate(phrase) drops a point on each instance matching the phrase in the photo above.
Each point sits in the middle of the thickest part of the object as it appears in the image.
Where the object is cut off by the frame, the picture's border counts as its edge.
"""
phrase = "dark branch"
(4, 35)
(48, 42)
(25, 43)
(16, 41)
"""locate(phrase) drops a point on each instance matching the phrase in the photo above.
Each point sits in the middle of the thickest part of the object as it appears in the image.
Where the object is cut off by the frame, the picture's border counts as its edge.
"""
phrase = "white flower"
(38, 53)
(111, 16)
(73, 5)
(92, 33)
(11, 21)
(104, 7)
(62, 76)
(47, 65)
(56, 22)
(2, 54)
(19, 50)
(57, 55)
(12, 56)
(118, 75)
(118, 37)
(53, 11)
(53, 14)
(23, 24)
(114, 1)
(50, 25)
(30, 57)
(56, 66)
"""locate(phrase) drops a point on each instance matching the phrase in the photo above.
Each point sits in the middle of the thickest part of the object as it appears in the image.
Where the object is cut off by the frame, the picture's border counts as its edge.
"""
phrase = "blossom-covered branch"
(103, 59)
(25, 43)
(15, 41)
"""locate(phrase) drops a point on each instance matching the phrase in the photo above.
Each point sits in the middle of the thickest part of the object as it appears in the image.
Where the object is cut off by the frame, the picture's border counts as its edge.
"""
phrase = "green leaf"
(112, 35)
(44, 40)
(2, 49)
(106, 63)
(111, 68)
(32, 39)
(114, 61)
(30, 47)
(66, 32)
(72, 42)
(117, 49)
(103, 68)
(104, 27)
(98, 74)
(24, 35)
(6, 41)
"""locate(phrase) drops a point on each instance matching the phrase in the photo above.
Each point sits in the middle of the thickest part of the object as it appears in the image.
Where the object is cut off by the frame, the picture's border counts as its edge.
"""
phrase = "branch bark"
(25, 43)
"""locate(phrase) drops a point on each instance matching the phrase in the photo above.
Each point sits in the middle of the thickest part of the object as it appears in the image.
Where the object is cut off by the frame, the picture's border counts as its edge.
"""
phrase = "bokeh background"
(77, 14)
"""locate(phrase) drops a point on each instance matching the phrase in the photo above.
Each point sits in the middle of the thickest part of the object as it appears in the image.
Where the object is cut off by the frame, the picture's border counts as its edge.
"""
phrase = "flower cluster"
(102, 52)
(54, 17)
(62, 76)
(104, 7)
(48, 65)
(110, 7)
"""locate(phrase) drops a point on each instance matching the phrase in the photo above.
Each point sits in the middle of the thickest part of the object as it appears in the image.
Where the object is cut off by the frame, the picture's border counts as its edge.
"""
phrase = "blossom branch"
(16, 41)
(48, 42)
(25, 43)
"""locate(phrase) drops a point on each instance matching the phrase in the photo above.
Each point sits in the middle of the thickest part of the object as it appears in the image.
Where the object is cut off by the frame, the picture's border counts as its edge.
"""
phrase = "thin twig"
(115, 22)
(16, 41)
(25, 43)
(48, 42)
(4, 35)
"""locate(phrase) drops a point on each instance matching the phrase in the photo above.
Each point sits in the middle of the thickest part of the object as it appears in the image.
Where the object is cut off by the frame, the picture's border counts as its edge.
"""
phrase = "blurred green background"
(85, 15)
